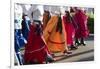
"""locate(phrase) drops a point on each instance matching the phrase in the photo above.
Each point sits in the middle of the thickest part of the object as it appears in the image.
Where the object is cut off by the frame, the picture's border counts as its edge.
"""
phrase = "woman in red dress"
(70, 29)
(36, 50)
(82, 32)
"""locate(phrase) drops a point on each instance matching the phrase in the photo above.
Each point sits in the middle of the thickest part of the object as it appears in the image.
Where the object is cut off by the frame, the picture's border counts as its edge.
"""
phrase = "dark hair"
(59, 24)
(48, 15)
(72, 9)
(68, 17)
(38, 27)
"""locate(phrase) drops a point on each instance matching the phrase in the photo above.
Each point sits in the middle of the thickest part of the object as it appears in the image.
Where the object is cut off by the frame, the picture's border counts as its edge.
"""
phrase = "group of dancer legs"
(58, 33)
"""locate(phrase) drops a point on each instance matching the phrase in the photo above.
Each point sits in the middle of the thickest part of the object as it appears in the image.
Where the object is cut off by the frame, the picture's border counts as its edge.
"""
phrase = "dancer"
(54, 34)
(36, 51)
(70, 30)
(82, 32)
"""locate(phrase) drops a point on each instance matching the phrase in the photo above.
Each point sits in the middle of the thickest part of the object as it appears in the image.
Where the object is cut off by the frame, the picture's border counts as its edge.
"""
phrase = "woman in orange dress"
(54, 35)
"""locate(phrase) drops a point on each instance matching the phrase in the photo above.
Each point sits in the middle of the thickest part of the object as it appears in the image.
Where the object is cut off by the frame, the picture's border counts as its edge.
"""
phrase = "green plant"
(91, 24)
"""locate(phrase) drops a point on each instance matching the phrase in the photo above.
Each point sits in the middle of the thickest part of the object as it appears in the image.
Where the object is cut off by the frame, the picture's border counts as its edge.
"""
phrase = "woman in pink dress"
(70, 29)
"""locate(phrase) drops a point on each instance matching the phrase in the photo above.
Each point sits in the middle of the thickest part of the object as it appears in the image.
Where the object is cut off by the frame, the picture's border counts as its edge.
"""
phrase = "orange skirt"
(55, 40)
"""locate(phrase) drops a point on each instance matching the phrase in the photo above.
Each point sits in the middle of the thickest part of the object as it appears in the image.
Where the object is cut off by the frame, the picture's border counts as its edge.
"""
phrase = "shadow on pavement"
(91, 58)
(77, 54)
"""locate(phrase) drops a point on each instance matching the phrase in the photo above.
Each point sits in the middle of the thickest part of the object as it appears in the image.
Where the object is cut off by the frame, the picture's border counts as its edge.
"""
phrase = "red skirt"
(81, 20)
(70, 30)
(35, 50)
(81, 33)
